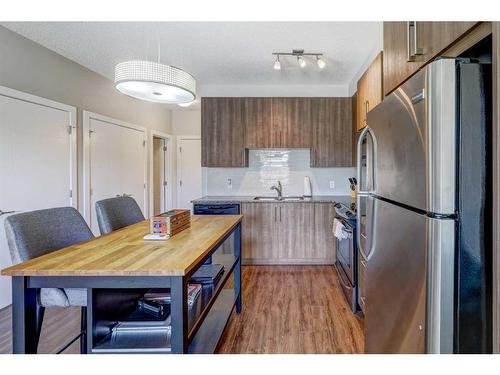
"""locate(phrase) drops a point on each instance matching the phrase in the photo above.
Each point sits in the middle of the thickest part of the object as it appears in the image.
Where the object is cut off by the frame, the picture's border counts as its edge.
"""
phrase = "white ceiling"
(226, 58)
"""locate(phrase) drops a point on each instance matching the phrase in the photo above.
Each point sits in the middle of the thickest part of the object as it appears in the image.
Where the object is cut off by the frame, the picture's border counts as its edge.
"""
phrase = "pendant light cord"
(159, 49)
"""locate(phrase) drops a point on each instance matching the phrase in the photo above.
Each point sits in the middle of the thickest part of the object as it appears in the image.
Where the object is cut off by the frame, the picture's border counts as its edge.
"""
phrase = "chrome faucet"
(279, 189)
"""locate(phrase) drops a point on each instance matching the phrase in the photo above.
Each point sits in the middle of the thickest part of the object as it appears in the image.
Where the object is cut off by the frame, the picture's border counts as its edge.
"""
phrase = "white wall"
(186, 122)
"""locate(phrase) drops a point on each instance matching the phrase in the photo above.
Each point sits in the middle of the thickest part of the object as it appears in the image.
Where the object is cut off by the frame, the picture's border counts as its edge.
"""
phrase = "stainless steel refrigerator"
(424, 213)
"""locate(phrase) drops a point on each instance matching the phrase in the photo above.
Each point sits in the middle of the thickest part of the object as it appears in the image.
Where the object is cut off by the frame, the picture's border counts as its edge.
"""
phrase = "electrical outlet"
(332, 184)
(229, 183)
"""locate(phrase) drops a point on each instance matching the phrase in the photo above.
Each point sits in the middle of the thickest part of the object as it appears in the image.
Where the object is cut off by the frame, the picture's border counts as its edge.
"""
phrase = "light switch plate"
(332, 184)
(229, 183)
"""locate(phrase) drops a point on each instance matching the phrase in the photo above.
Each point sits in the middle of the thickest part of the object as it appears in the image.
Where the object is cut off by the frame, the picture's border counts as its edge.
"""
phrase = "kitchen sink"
(276, 199)
(292, 198)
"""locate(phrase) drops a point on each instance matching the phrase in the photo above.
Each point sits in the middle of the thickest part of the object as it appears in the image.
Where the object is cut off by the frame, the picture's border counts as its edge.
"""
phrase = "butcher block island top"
(125, 252)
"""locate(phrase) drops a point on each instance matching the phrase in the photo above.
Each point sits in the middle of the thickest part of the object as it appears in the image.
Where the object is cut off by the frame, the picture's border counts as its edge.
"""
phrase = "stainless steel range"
(346, 263)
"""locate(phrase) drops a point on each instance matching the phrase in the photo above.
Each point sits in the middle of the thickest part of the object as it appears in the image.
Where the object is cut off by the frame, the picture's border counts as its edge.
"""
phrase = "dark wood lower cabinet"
(258, 233)
(288, 233)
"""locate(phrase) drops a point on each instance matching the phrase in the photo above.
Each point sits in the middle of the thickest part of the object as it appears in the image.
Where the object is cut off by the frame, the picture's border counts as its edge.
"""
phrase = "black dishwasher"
(216, 209)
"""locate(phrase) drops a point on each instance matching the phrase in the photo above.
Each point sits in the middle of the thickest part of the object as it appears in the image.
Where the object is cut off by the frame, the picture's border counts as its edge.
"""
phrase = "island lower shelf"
(204, 342)
(207, 318)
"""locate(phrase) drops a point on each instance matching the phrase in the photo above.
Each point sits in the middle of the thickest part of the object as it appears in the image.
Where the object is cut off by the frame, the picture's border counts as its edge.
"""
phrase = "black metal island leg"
(27, 317)
(237, 268)
(179, 315)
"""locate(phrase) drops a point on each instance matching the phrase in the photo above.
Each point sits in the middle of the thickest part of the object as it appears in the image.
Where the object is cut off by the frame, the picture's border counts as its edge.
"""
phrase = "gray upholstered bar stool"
(36, 233)
(116, 213)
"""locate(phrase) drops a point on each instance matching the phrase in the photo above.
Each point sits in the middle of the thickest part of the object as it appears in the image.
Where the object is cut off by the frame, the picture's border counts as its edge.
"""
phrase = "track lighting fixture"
(300, 55)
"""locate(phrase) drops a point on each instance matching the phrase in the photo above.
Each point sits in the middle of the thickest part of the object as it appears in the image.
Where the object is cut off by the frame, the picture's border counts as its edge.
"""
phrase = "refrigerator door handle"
(358, 231)
(370, 237)
(358, 165)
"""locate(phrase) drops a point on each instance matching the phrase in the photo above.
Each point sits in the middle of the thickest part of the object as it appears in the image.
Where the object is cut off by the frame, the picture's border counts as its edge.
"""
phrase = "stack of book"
(163, 296)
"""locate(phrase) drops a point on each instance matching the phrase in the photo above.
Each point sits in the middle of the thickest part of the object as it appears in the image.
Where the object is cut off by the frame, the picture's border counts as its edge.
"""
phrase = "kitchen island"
(118, 268)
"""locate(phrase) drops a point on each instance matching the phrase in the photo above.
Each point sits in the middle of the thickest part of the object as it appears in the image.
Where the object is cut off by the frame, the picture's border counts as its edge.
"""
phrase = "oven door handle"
(341, 278)
(347, 230)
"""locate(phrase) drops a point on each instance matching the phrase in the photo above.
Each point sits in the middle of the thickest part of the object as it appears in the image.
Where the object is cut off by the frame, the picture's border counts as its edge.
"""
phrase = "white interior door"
(189, 183)
(115, 163)
(37, 161)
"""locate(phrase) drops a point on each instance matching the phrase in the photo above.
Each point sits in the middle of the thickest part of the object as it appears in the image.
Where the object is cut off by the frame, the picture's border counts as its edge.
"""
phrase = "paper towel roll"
(307, 187)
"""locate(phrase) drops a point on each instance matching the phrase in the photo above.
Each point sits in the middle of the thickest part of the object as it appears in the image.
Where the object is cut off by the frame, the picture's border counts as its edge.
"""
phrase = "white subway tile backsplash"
(267, 166)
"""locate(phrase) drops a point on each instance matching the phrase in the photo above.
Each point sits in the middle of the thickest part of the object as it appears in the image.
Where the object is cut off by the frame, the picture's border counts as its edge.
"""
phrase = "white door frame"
(178, 159)
(72, 130)
(87, 116)
(169, 166)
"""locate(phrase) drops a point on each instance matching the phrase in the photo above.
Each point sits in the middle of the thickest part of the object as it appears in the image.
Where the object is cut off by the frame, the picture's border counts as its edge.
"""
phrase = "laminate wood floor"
(286, 309)
(293, 309)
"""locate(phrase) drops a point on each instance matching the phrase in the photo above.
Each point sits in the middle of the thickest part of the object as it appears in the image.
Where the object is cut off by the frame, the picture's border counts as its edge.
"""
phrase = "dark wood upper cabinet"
(396, 66)
(291, 122)
(410, 45)
(277, 122)
(223, 132)
(331, 124)
(370, 92)
(437, 36)
(258, 123)
(231, 126)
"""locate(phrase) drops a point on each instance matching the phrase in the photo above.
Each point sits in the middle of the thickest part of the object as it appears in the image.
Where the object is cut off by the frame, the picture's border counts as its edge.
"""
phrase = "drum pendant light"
(155, 82)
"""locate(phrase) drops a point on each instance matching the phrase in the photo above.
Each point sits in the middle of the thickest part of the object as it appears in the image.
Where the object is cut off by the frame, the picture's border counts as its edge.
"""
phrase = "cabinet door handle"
(412, 26)
(409, 56)
(275, 216)
(280, 214)
(417, 51)
(367, 104)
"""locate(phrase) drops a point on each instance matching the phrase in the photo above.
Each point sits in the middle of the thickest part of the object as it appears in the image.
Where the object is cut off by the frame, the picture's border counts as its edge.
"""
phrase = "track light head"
(321, 63)
(277, 64)
(302, 62)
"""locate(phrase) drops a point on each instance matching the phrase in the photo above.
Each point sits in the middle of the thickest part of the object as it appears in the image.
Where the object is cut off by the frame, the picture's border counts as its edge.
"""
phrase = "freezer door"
(396, 281)
(413, 132)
